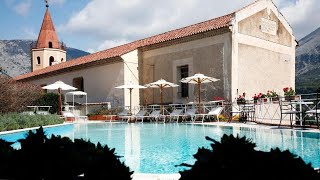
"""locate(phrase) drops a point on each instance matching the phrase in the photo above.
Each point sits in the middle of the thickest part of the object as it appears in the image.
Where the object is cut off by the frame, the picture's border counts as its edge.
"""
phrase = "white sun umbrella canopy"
(199, 79)
(130, 86)
(78, 93)
(161, 84)
(59, 85)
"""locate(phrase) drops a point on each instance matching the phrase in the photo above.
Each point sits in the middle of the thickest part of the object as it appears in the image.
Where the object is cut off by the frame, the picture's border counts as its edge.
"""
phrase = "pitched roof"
(47, 33)
(217, 23)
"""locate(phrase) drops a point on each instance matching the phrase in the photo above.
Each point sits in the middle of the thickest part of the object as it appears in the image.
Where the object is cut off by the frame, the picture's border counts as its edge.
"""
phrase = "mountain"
(15, 56)
(308, 63)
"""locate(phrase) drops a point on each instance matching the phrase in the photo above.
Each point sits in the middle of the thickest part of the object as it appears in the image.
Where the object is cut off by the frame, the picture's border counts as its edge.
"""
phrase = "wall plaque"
(268, 26)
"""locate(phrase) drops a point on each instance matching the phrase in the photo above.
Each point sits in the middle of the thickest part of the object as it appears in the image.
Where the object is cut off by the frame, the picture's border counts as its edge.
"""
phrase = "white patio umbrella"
(130, 86)
(161, 84)
(59, 85)
(78, 93)
(199, 79)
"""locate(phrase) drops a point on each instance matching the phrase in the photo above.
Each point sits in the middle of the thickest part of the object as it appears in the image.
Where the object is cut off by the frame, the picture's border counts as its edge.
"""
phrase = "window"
(78, 83)
(184, 87)
(38, 60)
(61, 59)
(50, 44)
(51, 60)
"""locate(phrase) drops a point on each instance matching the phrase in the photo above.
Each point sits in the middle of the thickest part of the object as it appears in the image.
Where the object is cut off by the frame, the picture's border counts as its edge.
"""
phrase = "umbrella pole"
(199, 108)
(59, 101)
(130, 89)
(161, 106)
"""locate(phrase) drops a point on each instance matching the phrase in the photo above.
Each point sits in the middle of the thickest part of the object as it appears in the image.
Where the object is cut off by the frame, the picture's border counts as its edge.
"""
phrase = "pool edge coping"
(32, 128)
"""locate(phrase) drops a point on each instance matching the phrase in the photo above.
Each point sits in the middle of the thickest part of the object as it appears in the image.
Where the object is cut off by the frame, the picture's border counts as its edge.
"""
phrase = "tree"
(15, 96)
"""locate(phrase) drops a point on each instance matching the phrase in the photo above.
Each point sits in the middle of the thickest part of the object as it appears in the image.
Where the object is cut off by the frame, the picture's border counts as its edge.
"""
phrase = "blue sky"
(94, 25)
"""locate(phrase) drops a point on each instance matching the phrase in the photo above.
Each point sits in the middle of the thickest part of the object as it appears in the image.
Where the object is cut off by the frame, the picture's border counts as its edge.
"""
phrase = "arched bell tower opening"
(51, 60)
(50, 44)
(47, 51)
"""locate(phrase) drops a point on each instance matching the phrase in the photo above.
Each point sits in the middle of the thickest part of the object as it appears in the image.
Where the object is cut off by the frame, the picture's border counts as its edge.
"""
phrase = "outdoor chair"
(246, 111)
(175, 114)
(287, 108)
(314, 113)
(216, 111)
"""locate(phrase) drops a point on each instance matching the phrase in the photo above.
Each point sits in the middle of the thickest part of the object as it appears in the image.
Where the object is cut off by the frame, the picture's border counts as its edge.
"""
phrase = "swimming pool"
(157, 148)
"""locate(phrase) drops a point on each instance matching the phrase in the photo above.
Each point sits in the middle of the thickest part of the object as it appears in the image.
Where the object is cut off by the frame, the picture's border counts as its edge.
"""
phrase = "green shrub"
(49, 99)
(106, 111)
(60, 158)
(236, 158)
(14, 121)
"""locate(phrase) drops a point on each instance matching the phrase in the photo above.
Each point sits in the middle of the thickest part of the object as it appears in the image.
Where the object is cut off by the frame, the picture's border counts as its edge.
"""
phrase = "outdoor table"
(216, 102)
(245, 110)
(300, 103)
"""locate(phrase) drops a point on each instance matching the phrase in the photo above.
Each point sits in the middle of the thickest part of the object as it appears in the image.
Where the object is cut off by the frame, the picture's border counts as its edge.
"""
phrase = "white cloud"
(303, 16)
(59, 2)
(114, 22)
(29, 33)
(111, 43)
(111, 22)
(23, 7)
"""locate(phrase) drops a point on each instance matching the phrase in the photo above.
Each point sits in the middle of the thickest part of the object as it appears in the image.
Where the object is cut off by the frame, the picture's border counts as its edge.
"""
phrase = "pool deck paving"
(142, 176)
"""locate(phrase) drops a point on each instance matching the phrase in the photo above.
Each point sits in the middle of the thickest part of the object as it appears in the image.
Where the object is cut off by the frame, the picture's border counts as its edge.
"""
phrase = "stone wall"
(99, 82)
(261, 25)
(210, 56)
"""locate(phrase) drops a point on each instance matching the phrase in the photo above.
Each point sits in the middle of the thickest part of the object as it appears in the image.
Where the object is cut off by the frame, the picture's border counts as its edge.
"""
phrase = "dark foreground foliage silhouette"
(236, 158)
(42, 158)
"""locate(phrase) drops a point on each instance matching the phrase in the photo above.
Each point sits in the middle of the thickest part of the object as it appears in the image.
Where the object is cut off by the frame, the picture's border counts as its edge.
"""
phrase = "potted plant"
(273, 96)
(241, 99)
(256, 97)
(218, 98)
(289, 93)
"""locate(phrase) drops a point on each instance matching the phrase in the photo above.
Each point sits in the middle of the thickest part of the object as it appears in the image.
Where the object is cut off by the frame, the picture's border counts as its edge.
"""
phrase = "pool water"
(157, 148)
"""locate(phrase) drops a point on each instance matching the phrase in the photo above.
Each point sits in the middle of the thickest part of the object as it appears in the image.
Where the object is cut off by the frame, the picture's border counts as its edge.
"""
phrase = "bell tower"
(48, 50)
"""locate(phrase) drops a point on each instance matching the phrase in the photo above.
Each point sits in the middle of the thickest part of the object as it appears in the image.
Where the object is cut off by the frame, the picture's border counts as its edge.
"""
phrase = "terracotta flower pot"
(291, 98)
(275, 99)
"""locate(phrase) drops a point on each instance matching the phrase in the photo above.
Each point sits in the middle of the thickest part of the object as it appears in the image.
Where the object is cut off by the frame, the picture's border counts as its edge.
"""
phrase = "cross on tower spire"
(47, 5)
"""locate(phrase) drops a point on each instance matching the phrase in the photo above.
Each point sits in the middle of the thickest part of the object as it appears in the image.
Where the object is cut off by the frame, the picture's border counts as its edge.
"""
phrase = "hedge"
(49, 99)
(12, 121)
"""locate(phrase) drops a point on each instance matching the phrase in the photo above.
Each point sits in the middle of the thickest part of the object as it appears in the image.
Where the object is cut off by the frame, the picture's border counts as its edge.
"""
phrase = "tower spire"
(48, 50)
(47, 36)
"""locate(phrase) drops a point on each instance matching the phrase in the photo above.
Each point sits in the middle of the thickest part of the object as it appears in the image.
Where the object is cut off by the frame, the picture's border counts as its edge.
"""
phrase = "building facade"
(251, 50)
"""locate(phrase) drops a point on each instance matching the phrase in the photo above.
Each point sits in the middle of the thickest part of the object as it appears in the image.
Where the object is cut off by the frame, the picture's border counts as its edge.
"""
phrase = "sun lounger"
(68, 116)
(124, 114)
(141, 115)
(190, 113)
(155, 115)
(175, 114)
(213, 112)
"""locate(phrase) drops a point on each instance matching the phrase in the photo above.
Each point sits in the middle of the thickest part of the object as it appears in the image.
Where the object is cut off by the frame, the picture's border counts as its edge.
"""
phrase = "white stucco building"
(251, 50)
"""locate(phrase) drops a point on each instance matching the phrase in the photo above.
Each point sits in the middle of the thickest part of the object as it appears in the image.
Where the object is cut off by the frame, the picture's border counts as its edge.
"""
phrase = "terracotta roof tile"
(217, 23)
(47, 33)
